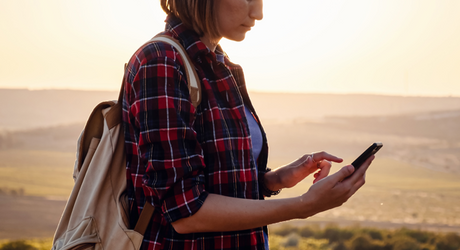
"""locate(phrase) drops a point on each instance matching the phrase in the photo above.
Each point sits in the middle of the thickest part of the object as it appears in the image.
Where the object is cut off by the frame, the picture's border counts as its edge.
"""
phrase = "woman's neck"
(211, 43)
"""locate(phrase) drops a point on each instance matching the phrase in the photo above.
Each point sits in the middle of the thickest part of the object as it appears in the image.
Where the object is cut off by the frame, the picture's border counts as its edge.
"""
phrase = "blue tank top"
(256, 134)
(257, 142)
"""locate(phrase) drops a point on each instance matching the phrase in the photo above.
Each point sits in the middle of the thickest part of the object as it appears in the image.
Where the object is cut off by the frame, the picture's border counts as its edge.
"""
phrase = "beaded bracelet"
(266, 192)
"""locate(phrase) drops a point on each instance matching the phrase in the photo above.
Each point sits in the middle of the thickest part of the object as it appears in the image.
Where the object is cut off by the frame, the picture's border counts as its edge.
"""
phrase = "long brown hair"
(195, 14)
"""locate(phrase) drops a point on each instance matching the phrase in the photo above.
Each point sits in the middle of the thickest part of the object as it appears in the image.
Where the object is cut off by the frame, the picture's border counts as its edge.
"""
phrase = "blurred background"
(323, 75)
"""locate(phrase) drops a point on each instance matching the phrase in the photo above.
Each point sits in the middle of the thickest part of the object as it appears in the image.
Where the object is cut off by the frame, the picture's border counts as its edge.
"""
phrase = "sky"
(390, 47)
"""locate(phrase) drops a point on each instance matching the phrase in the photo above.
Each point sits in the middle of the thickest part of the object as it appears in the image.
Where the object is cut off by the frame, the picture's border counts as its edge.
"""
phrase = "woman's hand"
(294, 172)
(334, 190)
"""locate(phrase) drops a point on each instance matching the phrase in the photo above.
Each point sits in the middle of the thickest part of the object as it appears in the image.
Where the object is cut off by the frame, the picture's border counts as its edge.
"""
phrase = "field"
(396, 195)
(413, 183)
(34, 186)
(37, 173)
(35, 244)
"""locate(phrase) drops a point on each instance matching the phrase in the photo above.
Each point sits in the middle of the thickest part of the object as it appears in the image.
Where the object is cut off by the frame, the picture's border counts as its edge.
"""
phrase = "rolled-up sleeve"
(173, 178)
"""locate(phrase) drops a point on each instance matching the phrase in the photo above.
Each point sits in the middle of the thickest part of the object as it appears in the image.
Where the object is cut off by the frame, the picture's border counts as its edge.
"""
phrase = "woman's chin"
(237, 38)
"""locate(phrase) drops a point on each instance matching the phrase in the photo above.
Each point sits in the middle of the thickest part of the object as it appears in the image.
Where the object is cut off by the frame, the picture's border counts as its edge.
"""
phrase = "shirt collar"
(188, 38)
(220, 55)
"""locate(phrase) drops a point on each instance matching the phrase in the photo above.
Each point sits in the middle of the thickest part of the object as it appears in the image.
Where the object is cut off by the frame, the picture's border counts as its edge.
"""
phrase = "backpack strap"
(194, 88)
(144, 218)
(194, 85)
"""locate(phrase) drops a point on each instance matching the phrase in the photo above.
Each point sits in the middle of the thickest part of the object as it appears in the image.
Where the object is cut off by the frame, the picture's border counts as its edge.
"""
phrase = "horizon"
(33, 109)
(250, 90)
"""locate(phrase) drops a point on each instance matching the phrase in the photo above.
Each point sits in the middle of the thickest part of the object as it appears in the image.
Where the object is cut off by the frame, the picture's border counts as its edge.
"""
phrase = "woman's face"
(236, 17)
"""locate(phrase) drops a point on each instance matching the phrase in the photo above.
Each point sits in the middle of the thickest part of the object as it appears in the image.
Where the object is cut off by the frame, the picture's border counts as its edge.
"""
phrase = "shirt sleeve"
(174, 176)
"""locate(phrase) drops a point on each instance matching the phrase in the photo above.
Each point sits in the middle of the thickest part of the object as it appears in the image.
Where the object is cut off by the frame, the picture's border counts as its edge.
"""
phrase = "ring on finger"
(318, 163)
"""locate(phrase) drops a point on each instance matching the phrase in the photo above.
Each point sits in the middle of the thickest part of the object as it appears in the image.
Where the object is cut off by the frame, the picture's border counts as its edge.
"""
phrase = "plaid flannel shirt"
(177, 154)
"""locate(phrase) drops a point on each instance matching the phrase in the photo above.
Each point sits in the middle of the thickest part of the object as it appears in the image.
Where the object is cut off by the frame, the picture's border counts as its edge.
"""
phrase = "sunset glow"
(396, 47)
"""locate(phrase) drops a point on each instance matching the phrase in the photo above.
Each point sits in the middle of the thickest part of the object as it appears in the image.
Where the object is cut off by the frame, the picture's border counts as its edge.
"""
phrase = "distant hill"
(53, 138)
(288, 106)
(26, 109)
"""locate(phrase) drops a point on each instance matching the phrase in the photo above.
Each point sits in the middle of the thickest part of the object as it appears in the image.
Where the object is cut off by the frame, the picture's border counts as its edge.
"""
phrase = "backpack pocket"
(82, 237)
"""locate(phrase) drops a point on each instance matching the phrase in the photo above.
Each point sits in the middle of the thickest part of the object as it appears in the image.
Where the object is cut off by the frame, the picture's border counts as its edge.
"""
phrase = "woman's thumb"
(344, 173)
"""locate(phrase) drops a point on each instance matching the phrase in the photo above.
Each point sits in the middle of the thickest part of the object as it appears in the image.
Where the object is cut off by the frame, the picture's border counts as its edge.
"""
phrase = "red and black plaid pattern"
(177, 154)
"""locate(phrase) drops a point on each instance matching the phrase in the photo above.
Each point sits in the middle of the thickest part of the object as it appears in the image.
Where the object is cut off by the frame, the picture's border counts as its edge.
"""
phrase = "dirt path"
(25, 217)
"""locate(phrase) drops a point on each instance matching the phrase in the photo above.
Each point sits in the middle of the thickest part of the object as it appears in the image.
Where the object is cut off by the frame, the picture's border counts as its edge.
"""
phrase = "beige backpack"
(97, 213)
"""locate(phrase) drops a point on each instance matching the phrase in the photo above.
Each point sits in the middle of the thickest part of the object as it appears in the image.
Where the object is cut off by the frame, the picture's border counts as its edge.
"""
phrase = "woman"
(205, 169)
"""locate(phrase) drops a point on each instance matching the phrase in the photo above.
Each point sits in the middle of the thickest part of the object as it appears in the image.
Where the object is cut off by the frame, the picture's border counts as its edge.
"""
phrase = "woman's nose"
(256, 11)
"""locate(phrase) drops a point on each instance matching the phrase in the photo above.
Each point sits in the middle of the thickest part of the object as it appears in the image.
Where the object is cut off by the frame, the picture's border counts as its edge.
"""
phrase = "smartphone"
(376, 146)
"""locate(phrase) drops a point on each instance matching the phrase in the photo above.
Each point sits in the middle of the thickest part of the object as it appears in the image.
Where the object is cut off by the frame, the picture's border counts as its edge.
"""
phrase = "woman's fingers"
(296, 171)
(337, 188)
(357, 180)
(359, 173)
(330, 192)
(325, 168)
(343, 173)
(319, 156)
(337, 177)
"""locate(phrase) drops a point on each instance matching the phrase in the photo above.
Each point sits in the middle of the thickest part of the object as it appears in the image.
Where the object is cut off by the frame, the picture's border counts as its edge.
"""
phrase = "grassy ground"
(38, 244)
(37, 173)
(329, 238)
(360, 238)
